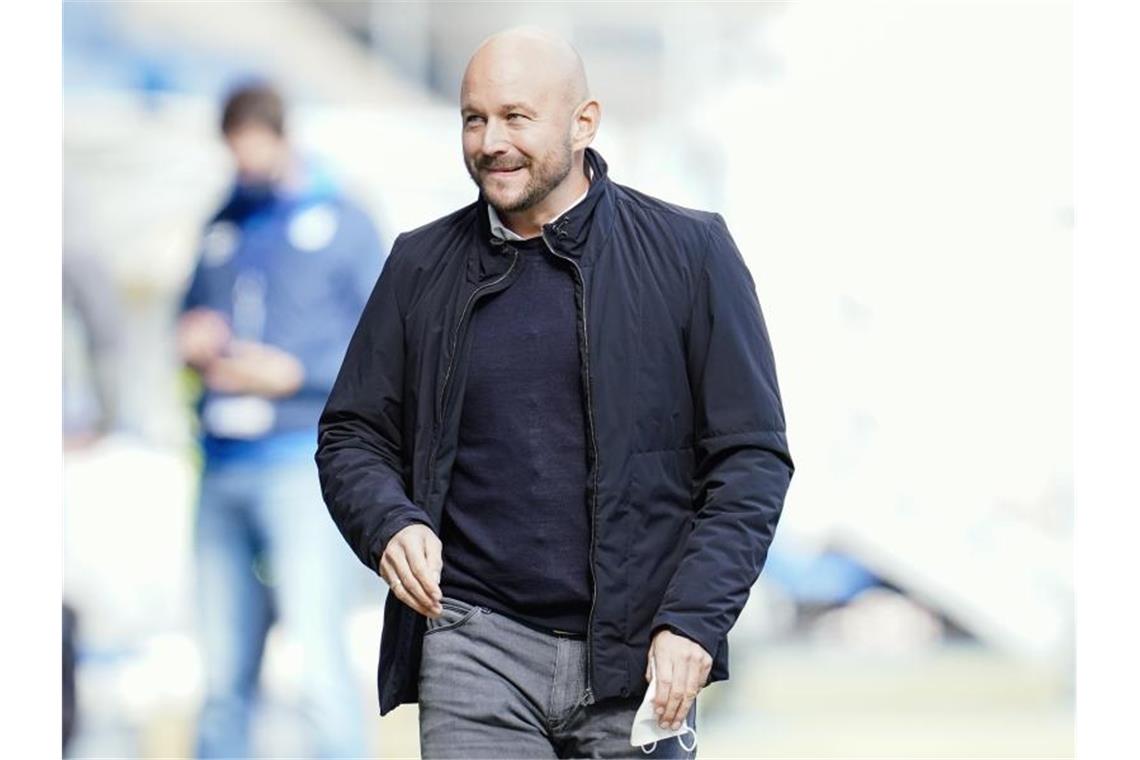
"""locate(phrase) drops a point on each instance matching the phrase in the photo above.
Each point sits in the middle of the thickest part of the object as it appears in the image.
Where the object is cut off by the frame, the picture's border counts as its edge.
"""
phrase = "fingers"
(395, 567)
(200, 338)
(223, 376)
(681, 673)
(664, 666)
(678, 682)
(392, 577)
(424, 578)
(424, 601)
(433, 552)
(692, 688)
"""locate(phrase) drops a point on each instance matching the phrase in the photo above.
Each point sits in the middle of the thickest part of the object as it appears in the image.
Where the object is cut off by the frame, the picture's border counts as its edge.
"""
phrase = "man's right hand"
(411, 566)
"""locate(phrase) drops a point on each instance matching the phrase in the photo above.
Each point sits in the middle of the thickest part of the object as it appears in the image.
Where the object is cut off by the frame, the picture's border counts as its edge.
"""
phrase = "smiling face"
(515, 155)
(521, 104)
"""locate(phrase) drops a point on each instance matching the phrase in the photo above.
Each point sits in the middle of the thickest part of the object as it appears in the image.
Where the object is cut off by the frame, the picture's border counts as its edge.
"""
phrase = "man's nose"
(495, 137)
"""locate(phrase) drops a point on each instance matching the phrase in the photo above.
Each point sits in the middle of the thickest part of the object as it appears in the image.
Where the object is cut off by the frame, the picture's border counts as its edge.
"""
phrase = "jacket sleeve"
(742, 464)
(360, 447)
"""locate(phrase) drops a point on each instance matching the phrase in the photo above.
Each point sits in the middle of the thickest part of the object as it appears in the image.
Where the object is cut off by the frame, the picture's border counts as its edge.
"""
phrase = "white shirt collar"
(499, 229)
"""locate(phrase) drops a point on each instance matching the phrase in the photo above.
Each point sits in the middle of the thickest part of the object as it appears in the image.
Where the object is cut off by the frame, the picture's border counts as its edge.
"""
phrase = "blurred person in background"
(558, 436)
(285, 268)
(92, 360)
(92, 344)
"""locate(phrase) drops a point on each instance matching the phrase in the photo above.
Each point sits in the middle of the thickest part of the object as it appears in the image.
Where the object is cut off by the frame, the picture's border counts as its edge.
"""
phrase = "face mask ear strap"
(681, 740)
(652, 748)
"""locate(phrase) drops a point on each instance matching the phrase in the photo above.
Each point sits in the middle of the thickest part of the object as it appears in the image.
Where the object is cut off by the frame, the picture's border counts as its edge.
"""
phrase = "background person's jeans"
(272, 514)
(490, 686)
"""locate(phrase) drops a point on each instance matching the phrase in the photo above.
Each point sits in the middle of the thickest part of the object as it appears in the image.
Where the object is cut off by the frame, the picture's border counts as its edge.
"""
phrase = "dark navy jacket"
(689, 462)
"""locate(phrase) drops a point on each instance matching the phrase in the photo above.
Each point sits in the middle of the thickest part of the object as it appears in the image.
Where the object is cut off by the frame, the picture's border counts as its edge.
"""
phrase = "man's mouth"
(503, 172)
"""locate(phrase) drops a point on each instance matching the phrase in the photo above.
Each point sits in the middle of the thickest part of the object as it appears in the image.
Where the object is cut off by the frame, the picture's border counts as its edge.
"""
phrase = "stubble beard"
(545, 175)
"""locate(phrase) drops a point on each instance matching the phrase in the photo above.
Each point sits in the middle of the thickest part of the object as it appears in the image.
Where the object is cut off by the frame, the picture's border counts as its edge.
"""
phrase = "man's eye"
(513, 115)
(472, 119)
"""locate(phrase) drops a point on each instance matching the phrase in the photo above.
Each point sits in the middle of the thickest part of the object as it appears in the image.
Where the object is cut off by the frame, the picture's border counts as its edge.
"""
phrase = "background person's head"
(253, 125)
(527, 118)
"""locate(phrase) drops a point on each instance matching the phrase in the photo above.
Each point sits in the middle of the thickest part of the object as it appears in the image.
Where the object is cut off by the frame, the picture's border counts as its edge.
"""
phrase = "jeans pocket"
(454, 614)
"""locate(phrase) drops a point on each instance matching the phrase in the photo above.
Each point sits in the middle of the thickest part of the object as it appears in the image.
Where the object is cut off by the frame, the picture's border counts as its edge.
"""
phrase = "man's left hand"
(682, 667)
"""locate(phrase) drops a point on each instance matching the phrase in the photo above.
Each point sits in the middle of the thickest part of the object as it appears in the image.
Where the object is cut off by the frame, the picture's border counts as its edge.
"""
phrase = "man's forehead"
(497, 92)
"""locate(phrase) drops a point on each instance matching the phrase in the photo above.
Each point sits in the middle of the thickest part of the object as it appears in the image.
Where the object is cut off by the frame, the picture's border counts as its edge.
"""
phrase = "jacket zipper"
(594, 491)
(451, 362)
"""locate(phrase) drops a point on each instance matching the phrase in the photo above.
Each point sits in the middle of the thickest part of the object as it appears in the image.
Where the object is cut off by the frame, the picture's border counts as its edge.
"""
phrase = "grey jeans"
(490, 686)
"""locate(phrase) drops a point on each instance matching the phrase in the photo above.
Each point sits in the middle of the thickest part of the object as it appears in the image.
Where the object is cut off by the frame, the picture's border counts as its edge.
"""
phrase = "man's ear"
(587, 118)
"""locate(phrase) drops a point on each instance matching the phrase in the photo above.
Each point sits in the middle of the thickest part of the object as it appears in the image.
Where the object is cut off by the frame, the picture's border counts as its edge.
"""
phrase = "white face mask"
(645, 729)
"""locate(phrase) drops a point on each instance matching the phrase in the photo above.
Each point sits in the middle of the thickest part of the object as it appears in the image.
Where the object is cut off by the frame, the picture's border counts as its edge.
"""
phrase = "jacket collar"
(498, 229)
(579, 233)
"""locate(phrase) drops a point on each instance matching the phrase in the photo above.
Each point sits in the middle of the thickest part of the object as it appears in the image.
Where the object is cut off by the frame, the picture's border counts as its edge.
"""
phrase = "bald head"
(529, 59)
(527, 119)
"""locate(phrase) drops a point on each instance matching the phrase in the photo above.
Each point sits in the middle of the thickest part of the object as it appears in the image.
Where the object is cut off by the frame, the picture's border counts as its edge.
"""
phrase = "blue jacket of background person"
(291, 267)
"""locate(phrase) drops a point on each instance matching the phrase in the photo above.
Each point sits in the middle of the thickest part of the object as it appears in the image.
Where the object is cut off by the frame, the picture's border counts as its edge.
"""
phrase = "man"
(557, 435)
(286, 266)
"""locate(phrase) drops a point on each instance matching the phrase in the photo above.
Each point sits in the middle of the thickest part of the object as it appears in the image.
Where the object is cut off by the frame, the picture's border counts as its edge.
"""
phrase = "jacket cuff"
(681, 629)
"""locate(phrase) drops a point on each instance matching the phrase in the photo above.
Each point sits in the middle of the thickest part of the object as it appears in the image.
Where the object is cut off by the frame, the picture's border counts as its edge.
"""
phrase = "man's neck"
(529, 223)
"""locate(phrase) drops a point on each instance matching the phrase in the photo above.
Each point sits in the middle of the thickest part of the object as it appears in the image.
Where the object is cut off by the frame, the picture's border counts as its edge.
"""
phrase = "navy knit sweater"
(516, 527)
